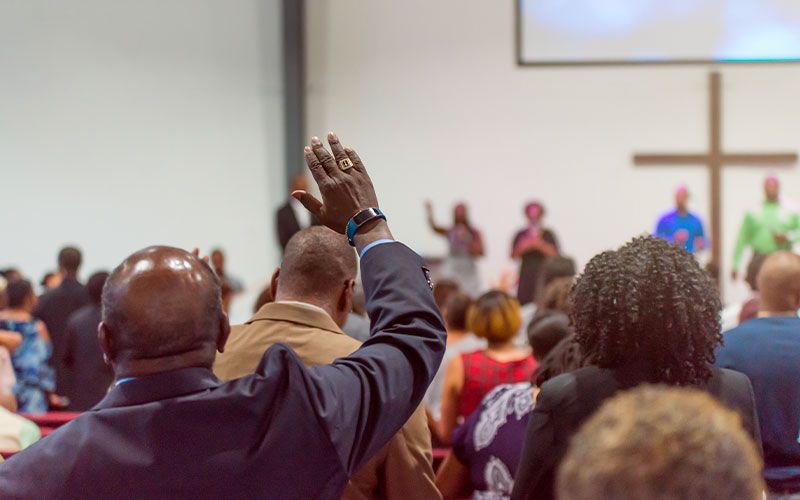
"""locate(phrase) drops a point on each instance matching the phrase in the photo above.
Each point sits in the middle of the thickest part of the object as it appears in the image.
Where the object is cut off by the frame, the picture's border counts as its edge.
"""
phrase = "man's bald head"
(161, 302)
(779, 283)
(316, 264)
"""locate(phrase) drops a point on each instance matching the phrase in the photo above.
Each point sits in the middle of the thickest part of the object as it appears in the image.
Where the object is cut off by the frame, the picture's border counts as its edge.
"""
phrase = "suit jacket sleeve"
(363, 399)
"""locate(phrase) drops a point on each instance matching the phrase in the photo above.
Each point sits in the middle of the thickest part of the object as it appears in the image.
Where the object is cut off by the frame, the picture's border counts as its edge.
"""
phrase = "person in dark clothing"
(532, 245)
(169, 429)
(91, 375)
(291, 217)
(767, 350)
(660, 443)
(646, 313)
(56, 306)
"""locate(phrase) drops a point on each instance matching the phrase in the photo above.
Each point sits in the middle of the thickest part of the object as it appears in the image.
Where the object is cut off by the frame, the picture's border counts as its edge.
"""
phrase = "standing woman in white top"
(466, 245)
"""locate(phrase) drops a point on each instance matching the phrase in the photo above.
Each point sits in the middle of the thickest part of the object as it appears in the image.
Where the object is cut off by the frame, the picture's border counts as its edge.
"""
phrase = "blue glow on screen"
(725, 30)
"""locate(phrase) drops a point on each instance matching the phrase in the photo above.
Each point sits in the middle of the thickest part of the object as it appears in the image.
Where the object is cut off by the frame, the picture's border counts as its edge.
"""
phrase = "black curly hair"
(648, 304)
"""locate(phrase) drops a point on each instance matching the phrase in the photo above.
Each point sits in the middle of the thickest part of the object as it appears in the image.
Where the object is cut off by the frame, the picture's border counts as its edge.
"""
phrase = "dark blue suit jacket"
(83, 359)
(54, 308)
(285, 432)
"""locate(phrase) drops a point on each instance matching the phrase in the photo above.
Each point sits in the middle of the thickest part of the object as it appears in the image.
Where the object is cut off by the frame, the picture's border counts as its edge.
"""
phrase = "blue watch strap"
(361, 218)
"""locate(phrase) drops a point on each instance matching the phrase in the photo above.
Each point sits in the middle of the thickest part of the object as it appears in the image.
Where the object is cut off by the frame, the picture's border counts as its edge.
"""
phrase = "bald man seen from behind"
(170, 429)
(767, 350)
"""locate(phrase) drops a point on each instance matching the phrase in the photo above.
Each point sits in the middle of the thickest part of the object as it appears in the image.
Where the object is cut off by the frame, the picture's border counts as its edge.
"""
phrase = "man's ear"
(105, 344)
(273, 283)
(797, 300)
(346, 298)
(224, 332)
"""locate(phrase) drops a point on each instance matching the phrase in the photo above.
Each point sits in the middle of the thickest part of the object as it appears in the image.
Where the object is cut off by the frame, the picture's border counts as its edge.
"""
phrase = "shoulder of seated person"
(558, 391)
(728, 376)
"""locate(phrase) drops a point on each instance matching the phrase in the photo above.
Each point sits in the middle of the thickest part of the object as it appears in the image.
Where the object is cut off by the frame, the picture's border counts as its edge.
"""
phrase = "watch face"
(365, 215)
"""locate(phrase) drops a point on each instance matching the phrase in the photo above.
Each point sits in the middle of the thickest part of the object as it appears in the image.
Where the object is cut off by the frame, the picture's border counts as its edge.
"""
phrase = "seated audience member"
(226, 295)
(292, 217)
(7, 381)
(556, 268)
(470, 376)
(50, 281)
(442, 291)
(487, 447)
(738, 313)
(357, 323)
(556, 295)
(657, 443)
(767, 350)
(265, 297)
(712, 271)
(313, 292)
(218, 264)
(16, 432)
(3, 298)
(646, 313)
(56, 306)
(9, 341)
(83, 357)
(11, 274)
(170, 429)
(459, 341)
(554, 299)
(230, 286)
(35, 385)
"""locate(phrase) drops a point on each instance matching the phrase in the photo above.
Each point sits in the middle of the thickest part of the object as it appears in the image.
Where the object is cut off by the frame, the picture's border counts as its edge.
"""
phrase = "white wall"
(126, 124)
(430, 95)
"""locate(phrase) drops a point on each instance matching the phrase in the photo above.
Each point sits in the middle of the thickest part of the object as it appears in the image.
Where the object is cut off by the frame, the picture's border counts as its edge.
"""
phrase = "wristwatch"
(359, 219)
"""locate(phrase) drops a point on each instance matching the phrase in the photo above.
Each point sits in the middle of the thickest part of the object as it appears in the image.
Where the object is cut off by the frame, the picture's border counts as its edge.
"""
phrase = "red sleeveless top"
(482, 374)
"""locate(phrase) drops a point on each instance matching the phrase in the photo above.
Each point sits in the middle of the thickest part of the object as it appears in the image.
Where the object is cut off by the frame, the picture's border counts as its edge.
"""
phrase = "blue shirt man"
(767, 350)
(680, 226)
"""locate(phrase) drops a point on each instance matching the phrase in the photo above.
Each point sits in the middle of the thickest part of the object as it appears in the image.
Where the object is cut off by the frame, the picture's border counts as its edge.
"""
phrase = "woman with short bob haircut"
(495, 316)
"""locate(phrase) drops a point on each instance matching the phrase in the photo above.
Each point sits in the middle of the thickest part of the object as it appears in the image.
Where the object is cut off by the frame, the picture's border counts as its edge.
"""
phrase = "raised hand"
(344, 192)
(196, 253)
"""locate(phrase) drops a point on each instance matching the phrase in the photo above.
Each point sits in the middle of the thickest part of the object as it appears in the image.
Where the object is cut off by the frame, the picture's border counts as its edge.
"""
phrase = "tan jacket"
(402, 468)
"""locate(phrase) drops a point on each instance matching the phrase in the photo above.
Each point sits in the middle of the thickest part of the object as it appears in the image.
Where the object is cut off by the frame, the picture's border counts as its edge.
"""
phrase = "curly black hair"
(648, 304)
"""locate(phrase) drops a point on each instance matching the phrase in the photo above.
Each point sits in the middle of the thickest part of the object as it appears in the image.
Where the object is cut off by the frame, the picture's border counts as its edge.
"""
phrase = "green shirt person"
(772, 228)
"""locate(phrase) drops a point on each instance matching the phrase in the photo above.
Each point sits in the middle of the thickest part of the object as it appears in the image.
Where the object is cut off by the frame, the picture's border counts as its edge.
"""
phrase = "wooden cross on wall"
(715, 159)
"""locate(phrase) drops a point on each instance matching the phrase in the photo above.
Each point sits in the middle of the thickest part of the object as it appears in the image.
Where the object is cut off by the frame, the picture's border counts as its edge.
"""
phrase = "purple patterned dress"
(489, 442)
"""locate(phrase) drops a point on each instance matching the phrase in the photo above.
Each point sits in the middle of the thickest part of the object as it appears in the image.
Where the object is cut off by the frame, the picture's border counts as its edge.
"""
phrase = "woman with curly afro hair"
(646, 313)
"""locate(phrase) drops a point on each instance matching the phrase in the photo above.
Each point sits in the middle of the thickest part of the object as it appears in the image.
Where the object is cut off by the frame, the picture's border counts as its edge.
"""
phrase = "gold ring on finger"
(345, 164)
